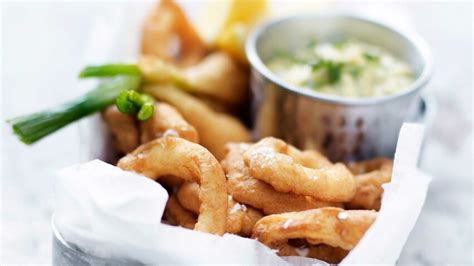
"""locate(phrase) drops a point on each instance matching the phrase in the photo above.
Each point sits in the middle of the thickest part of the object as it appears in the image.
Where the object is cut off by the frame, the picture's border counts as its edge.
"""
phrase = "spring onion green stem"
(33, 127)
(134, 103)
(109, 70)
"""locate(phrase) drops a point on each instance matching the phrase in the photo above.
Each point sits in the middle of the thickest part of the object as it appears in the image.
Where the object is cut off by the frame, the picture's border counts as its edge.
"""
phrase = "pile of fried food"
(296, 202)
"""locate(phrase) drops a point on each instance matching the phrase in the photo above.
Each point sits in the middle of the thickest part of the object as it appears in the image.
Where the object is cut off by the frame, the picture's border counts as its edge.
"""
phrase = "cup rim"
(420, 45)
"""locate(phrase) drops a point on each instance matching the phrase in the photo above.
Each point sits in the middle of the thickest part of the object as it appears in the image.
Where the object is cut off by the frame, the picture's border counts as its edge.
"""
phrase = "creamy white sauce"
(350, 69)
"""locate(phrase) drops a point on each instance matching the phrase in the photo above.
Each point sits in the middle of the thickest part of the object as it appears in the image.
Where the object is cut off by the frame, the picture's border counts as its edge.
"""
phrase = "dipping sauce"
(348, 68)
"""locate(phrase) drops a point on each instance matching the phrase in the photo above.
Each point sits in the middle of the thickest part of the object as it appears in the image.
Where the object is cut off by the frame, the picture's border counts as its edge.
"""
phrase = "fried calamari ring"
(188, 196)
(124, 129)
(240, 218)
(258, 194)
(220, 77)
(367, 166)
(216, 76)
(170, 181)
(321, 252)
(370, 176)
(335, 227)
(166, 120)
(164, 25)
(177, 215)
(271, 161)
(192, 162)
(215, 129)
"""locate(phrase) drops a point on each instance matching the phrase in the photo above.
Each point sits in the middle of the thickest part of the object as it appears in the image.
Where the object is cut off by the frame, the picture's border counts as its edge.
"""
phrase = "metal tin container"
(65, 255)
(343, 128)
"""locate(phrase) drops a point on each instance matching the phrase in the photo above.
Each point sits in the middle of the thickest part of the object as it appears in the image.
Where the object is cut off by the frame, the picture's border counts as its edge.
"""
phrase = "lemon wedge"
(226, 24)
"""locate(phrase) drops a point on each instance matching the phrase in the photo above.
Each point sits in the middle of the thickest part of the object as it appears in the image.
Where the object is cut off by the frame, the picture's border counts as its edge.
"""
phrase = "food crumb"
(342, 215)
(287, 223)
(170, 132)
(237, 207)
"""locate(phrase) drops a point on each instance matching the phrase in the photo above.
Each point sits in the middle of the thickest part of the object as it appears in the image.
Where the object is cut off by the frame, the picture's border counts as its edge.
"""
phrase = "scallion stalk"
(109, 70)
(33, 127)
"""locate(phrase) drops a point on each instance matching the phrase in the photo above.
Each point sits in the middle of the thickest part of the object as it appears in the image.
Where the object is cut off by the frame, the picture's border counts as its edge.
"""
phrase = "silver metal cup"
(343, 128)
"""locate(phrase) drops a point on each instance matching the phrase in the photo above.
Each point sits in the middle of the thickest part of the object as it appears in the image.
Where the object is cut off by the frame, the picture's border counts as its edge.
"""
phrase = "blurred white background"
(42, 47)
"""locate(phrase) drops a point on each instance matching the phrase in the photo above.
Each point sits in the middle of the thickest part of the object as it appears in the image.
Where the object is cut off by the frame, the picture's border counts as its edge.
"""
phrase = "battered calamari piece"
(166, 120)
(170, 181)
(192, 162)
(335, 227)
(217, 76)
(164, 25)
(367, 166)
(188, 196)
(215, 129)
(240, 218)
(124, 129)
(273, 161)
(177, 215)
(370, 176)
(321, 252)
(258, 194)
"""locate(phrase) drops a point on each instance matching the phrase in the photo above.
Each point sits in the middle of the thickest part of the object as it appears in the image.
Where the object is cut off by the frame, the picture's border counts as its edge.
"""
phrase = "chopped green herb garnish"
(370, 57)
(333, 69)
(334, 72)
(340, 43)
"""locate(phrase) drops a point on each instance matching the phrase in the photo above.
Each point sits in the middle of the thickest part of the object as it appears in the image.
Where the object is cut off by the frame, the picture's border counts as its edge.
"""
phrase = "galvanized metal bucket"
(65, 254)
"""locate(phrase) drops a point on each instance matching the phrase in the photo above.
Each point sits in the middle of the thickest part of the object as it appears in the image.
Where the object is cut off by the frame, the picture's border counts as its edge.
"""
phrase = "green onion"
(146, 111)
(134, 103)
(109, 70)
(33, 127)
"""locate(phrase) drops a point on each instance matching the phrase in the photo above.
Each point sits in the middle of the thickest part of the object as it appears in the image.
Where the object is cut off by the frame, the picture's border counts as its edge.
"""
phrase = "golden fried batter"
(240, 218)
(216, 76)
(166, 120)
(164, 25)
(335, 227)
(124, 129)
(269, 160)
(220, 77)
(370, 176)
(192, 162)
(321, 252)
(246, 189)
(177, 215)
(128, 133)
(215, 129)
